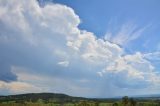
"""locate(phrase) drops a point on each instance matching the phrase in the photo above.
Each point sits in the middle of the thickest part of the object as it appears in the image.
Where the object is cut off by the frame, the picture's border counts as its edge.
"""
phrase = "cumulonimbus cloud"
(47, 40)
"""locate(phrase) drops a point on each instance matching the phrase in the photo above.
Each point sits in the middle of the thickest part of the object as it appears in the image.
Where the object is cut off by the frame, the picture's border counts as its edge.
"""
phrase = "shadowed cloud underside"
(44, 50)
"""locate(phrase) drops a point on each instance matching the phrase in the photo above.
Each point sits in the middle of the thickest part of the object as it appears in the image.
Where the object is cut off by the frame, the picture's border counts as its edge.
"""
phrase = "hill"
(34, 97)
(59, 98)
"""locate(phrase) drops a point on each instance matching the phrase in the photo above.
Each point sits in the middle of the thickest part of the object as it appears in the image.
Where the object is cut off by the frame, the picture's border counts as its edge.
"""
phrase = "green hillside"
(56, 99)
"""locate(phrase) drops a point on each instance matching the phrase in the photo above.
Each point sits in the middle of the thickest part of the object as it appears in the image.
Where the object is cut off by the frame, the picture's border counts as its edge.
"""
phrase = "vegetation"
(52, 99)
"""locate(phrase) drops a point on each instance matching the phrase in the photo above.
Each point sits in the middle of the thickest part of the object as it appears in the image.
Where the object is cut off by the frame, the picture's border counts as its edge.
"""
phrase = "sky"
(98, 48)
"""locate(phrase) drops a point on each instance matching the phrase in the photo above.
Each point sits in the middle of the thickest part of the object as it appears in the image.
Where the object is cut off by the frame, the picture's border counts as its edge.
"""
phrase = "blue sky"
(100, 14)
(109, 15)
(111, 48)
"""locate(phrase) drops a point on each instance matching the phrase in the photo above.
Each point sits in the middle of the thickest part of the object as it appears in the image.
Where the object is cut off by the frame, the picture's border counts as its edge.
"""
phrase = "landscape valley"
(57, 99)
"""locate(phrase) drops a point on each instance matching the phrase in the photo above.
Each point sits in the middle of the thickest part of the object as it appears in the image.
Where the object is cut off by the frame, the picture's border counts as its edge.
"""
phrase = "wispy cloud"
(127, 33)
(154, 56)
(158, 46)
(63, 63)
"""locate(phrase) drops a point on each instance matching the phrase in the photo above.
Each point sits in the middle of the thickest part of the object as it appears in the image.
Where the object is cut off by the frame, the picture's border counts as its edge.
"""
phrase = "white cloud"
(38, 39)
(152, 56)
(33, 82)
(19, 87)
(63, 63)
(127, 33)
(134, 69)
(158, 46)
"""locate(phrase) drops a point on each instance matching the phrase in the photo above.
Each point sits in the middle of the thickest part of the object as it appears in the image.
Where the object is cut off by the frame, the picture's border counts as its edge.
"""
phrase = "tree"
(141, 104)
(40, 101)
(132, 102)
(115, 104)
(83, 103)
(96, 103)
(62, 104)
(125, 100)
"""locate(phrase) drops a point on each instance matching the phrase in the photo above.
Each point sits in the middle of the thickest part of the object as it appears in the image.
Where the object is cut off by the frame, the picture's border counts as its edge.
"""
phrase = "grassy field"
(48, 99)
(80, 104)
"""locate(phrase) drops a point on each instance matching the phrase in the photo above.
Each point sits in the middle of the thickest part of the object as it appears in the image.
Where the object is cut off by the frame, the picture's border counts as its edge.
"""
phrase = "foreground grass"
(125, 101)
(78, 104)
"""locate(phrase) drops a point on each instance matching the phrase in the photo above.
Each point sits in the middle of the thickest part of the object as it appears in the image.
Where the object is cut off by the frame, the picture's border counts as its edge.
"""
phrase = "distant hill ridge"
(44, 96)
(59, 97)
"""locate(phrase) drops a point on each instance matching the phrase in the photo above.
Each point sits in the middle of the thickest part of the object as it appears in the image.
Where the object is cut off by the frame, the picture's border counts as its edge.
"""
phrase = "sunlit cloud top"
(44, 49)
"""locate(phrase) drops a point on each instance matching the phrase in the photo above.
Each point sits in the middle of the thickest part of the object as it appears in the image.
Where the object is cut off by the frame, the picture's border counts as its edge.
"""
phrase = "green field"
(51, 99)
(80, 104)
